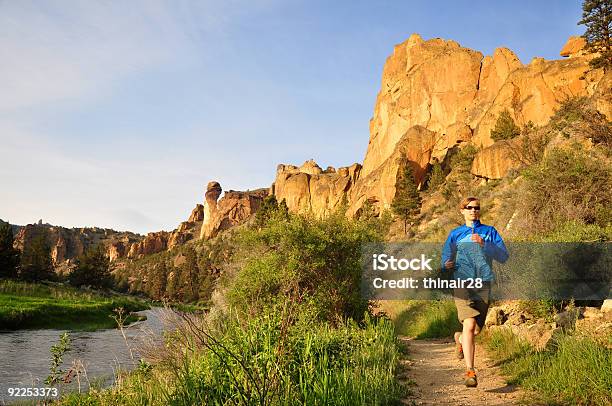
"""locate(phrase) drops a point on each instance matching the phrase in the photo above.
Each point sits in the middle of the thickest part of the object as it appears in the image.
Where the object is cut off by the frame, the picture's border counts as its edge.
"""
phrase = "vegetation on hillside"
(288, 326)
(9, 256)
(406, 202)
(573, 371)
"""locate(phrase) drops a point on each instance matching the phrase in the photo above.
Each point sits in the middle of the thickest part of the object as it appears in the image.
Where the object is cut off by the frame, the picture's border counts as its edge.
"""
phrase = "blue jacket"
(472, 260)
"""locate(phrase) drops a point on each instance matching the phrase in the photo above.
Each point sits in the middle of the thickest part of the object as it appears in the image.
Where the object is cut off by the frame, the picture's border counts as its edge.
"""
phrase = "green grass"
(423, 318)
(34, 306)
(575, 371)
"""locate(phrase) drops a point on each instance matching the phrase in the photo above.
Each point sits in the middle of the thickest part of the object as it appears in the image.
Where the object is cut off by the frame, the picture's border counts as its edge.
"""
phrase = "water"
(25, 356)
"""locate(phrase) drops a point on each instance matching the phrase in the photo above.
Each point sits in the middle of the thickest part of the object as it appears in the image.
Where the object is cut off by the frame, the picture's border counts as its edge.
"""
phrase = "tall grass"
(265, 361)
(574, 370)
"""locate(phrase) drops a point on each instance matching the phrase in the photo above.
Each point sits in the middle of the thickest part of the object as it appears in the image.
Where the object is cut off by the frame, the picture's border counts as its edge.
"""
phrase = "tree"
(505, 127)
(36, 264)
(92, 269)
(158, 280)
(597, 17)
(9, 256)
(436, 177)
(406, 201)
(189, 275)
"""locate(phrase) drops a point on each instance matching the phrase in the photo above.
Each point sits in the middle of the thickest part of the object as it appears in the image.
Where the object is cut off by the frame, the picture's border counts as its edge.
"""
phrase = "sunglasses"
(477, 208)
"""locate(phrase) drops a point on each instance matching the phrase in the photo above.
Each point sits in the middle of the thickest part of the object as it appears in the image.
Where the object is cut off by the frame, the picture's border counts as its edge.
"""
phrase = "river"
(25, 356)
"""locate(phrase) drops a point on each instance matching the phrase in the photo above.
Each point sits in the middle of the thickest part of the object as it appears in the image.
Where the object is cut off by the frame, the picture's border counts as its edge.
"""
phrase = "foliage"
(57, 353)
(9, 256)
(307, 259)
(597, 17)
(505, 127)
(36, 264)
(406, 201)
(92, 269)
(575, 114)
(461, 161)
(436, 177)
(423, 318)
(528, 149)
(265, 360)
(568, 185)
(269, 209)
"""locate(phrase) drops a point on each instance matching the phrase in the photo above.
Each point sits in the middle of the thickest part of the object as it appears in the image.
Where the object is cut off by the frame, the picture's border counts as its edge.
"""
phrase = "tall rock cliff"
(437, 96)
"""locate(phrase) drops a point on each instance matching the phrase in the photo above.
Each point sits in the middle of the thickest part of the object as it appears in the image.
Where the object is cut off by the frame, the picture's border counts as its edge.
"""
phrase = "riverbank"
(38, 306)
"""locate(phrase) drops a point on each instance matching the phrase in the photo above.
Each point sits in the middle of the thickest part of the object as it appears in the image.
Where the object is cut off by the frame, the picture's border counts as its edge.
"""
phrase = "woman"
(470, 250)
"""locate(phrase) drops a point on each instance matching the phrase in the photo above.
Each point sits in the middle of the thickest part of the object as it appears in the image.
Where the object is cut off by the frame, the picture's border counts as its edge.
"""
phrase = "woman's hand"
(449, 264)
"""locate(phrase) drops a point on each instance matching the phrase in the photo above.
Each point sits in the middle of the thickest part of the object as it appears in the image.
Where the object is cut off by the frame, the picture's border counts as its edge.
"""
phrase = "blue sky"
(117, 113)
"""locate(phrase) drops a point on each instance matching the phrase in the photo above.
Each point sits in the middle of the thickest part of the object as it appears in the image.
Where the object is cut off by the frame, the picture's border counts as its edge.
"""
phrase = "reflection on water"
(25, 356)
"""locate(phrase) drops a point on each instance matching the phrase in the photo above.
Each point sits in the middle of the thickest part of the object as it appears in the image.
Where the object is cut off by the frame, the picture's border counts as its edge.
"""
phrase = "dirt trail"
(438, 374)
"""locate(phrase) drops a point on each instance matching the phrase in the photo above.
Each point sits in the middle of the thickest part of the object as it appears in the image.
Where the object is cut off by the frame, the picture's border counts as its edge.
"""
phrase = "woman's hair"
(465, 201)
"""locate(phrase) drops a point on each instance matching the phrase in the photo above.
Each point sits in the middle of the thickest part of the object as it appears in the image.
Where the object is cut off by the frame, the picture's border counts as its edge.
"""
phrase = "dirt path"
(438, 375)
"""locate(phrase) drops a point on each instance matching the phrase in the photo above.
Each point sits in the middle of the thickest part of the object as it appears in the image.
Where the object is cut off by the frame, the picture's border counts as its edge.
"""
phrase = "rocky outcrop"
(494, 161)
(151, 244)
(378, 187)
(188, 230)
(232, 209)
(573, 47)
(68, 243)
(312, 189)
(456, 94)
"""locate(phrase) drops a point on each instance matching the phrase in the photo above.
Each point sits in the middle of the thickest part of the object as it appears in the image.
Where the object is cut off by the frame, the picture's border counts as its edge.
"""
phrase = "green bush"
(304, 258)
(577, 115)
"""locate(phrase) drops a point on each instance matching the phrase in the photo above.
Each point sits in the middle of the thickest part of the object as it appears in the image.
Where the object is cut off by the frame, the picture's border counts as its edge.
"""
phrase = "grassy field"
(32, 306)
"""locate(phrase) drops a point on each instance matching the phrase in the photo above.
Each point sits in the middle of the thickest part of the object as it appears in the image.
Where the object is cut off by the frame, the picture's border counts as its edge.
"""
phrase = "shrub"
(303, 258)
(568, 185)
(576, 115)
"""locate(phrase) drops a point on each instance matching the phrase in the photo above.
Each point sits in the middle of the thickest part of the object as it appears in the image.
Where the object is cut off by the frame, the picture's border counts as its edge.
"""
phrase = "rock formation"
(311, 189)
(68, 243)
(232, 209)
(437, 96)
(151, 244)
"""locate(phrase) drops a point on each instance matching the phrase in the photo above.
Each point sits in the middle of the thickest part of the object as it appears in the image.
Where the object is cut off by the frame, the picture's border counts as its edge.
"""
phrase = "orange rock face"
(232, 209)
(573, 47)
(152, 243)
(310, 189)
(68, 243)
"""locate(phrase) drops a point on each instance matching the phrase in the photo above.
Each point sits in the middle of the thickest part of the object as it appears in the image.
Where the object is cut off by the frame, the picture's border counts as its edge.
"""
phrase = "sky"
(117, 114)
